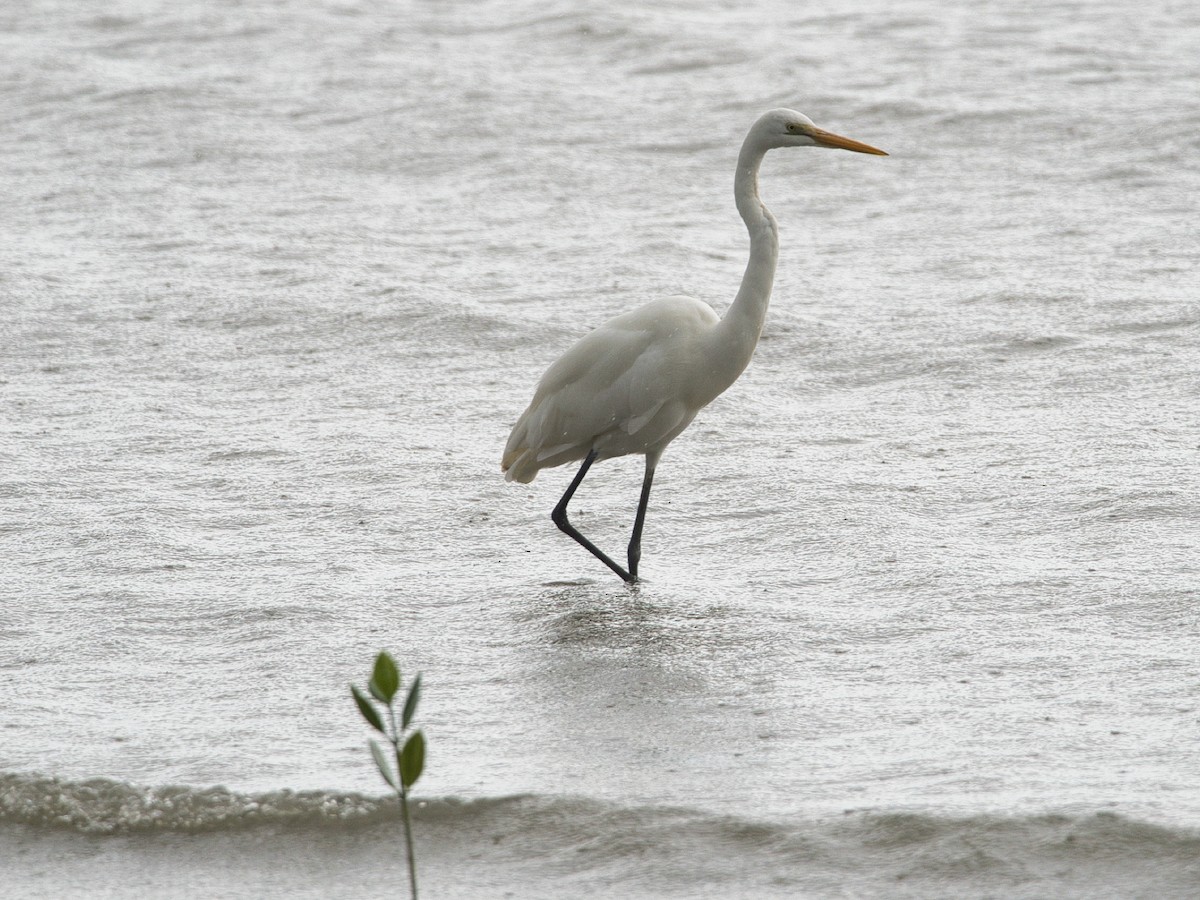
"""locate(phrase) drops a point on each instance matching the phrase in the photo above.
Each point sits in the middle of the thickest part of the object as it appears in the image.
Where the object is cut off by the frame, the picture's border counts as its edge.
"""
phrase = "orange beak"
(829, 139)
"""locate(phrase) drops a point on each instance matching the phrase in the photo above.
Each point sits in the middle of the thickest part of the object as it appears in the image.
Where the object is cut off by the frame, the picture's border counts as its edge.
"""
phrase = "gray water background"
(278, 277)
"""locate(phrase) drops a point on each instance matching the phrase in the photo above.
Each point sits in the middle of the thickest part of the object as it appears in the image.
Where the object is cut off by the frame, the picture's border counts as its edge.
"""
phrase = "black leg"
(560, 519)
(635, 542)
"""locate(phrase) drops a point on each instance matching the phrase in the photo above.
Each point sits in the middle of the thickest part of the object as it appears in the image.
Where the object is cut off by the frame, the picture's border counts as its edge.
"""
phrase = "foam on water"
(328, 844)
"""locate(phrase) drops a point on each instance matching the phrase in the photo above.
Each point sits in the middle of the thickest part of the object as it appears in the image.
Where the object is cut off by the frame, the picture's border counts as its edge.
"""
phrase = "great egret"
(633, 384)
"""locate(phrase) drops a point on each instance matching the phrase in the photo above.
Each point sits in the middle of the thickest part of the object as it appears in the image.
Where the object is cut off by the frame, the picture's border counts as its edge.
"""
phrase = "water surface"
(920, 601)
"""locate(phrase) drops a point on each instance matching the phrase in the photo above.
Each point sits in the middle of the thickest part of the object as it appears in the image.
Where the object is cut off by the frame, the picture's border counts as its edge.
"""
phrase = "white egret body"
(633, 384)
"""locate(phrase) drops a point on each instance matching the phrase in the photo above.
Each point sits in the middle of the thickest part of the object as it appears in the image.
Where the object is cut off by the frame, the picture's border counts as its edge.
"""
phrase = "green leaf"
(410, 705)
(381, 762)
(385, 680)
(412, 759)
(368, 711)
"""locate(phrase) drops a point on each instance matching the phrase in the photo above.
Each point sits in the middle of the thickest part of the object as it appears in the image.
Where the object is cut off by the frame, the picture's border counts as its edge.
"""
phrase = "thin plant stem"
(412, 863)
(402, 793)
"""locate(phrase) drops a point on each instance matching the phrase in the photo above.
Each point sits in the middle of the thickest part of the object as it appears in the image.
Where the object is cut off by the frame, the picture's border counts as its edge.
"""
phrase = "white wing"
(622, 388)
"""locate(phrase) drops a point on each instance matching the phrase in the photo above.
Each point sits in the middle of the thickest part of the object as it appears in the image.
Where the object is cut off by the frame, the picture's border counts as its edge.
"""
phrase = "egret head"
(788, 128)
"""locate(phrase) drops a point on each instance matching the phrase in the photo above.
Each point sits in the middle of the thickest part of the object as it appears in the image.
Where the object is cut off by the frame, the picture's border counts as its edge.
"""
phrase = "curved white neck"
(738, 332)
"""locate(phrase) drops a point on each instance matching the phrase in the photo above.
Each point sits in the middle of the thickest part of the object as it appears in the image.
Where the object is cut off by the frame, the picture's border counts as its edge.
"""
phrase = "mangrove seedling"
(403, 766)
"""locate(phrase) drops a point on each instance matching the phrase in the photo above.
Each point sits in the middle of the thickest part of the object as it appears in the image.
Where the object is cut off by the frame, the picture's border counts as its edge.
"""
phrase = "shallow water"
(920, 600)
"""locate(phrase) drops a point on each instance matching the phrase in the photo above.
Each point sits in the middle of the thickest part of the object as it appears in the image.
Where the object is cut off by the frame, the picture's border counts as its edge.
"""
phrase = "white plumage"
(633, 384)
(624, 388)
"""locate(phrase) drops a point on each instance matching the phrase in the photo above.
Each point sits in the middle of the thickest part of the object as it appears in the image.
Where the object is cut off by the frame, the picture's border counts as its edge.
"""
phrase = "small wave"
(550, 842)
(1034, 343)
(1151, 326)
(690, 62)
(1135, 505)
(102, 806)
(1002, 116)
(243, 453)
